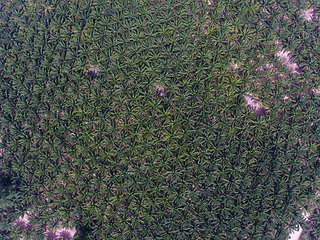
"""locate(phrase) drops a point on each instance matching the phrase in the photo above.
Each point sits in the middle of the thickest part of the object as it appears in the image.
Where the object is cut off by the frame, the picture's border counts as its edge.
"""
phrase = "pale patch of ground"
(53, 234)
(296, 234)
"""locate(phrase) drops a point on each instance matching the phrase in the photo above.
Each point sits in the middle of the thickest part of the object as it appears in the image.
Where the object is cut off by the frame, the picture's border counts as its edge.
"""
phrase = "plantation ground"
(250, 102)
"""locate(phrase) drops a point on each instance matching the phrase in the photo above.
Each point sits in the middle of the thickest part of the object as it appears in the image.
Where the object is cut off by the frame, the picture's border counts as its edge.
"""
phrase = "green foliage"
(83, 232)
(7, 201)
(159, 143)
(311, 228)
(11, 204)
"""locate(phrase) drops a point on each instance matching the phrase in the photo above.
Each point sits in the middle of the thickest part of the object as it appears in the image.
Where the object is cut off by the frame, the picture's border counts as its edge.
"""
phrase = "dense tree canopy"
(158, 143)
